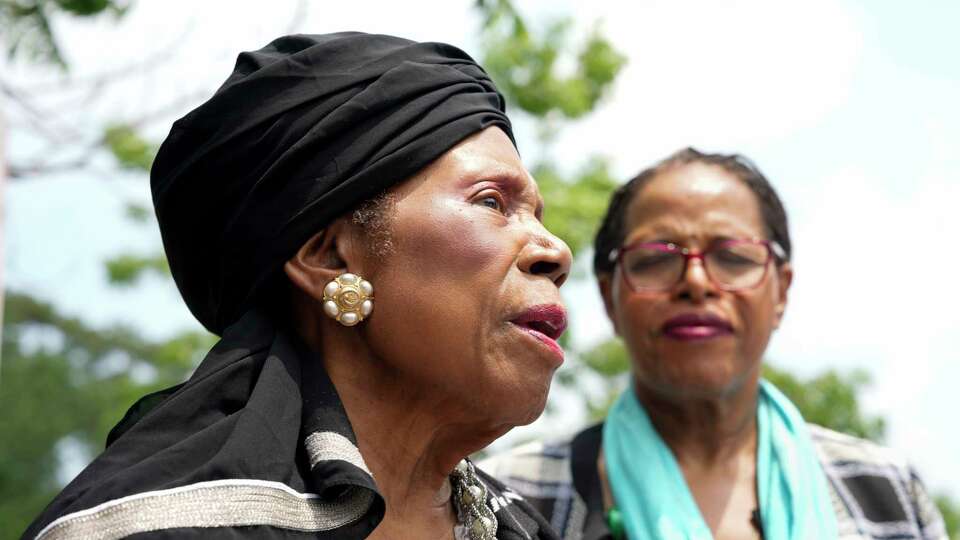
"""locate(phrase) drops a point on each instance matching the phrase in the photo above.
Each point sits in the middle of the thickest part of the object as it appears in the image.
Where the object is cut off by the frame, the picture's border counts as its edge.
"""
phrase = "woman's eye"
(492, 202)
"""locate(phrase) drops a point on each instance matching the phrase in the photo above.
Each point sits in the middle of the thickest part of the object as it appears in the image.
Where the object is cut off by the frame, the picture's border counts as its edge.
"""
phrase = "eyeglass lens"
(731, 266)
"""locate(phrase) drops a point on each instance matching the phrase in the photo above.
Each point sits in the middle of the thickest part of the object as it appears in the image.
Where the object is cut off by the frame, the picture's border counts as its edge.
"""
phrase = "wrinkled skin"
(470, 255)
(438, 370)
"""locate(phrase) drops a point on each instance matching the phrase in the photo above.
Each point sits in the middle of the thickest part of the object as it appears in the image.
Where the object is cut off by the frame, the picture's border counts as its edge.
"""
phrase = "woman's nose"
(695, 284)
(546, 255)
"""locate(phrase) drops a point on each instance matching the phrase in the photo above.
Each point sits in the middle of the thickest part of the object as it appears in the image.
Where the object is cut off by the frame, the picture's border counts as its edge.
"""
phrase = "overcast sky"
(850, 110)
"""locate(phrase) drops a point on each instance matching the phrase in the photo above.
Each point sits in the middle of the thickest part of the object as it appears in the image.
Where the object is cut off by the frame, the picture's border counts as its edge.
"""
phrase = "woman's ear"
(784, 279)
(605, 282)
(318, 261)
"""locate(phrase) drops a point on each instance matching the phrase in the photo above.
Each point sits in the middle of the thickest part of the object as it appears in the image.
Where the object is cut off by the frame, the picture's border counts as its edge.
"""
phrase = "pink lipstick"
(546, 323)
(696, 326)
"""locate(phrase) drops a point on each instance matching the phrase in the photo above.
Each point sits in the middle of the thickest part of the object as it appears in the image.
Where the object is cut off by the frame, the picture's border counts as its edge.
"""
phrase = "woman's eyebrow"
(508, 178)
(490, 172)
(511, 183)
(657, 233)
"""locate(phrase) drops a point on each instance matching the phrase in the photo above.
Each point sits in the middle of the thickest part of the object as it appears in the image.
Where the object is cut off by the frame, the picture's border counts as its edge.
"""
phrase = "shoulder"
(877, 486)
(516, 517)
(530, 467)
(843, 449)
(544, 473)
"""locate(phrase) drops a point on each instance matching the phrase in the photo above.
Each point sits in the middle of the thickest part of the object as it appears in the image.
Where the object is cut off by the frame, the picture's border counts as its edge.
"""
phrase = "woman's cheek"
(451, 243)
(636, 317)
(633, 324)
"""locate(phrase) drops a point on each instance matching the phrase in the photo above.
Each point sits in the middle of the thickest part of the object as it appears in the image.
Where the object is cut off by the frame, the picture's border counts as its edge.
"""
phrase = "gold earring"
(348, 299)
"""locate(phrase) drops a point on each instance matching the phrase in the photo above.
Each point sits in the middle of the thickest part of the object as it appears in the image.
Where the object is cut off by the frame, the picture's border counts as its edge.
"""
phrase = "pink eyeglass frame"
(774, 251)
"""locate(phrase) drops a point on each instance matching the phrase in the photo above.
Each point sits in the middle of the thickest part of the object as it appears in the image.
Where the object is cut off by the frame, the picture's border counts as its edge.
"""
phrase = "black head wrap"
(301, 132)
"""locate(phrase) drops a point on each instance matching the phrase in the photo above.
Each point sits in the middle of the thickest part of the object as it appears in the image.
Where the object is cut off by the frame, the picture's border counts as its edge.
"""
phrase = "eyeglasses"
(732, 265)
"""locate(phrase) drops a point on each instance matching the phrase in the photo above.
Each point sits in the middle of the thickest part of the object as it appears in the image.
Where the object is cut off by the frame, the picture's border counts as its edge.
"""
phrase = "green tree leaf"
(576, 204)
(130, 150)
(830, 399)
(126, 269)
(526, 69)
(27, 29)
(950, 510)
(62, 380)
(609, 358)
(138, 212)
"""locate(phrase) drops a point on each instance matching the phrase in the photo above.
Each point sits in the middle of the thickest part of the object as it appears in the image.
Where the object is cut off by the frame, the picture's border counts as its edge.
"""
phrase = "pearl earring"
(348, 299)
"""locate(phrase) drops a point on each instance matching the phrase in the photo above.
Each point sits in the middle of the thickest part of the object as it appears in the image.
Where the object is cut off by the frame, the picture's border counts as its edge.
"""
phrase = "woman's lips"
(696, 326)
(546, 323)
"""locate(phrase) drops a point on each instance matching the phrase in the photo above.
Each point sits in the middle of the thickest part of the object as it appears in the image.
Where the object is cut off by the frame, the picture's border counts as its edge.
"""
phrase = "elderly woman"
(693, 263)
(350, 214)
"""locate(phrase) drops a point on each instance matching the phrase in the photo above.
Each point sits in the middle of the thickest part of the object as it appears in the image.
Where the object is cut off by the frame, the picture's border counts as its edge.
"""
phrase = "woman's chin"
(696, 373)
(533, 413)
(521, 405)
(696, 384)
(498, 423)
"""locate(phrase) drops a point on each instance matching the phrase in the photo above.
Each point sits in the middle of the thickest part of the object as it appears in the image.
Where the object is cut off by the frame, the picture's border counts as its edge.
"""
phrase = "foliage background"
(66, 379)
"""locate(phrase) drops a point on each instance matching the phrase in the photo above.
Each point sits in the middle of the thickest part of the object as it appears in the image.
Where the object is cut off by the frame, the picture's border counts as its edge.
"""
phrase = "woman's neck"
(409, 440)
(704, 431)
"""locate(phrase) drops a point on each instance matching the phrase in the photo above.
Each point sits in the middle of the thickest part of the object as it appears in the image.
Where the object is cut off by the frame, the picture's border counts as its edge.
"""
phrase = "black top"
(256, 444)
(584, 451)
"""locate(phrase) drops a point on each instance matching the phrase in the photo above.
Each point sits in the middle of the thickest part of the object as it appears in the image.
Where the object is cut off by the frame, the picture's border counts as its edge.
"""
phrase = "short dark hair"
(612, 234)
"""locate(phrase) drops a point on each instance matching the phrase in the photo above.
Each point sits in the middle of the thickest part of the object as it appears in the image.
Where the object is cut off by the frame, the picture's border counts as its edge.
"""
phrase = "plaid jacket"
(875, 493)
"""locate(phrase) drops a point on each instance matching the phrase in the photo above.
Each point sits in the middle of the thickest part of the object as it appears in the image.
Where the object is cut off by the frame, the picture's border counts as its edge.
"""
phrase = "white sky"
(850, 109)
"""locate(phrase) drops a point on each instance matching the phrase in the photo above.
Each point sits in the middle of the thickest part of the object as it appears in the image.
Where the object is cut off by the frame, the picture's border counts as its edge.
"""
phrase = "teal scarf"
(655, 502)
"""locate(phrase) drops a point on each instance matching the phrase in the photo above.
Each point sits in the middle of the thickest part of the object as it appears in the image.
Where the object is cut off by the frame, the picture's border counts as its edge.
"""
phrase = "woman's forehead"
(694, 199)
(483, 147)
(487, 157)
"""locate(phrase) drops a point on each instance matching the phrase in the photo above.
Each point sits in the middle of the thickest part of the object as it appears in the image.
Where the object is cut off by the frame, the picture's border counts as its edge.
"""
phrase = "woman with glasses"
(693, 263)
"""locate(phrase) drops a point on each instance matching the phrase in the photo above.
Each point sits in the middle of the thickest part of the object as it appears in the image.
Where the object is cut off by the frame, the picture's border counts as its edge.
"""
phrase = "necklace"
(470, 499)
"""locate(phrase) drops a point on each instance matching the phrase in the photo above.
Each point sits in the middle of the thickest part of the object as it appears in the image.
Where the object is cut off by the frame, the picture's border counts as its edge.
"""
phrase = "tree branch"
(151, 62)
(19, 172)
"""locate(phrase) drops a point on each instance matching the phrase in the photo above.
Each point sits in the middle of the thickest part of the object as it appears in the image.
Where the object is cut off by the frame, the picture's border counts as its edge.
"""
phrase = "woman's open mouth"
(546, 323)
(696, 326)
